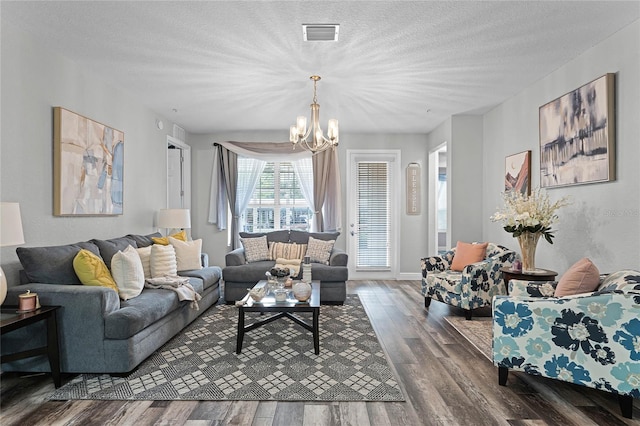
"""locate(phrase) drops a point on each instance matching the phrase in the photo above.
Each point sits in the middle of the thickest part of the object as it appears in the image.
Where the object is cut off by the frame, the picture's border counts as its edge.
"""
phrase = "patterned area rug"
(478, 332)
(277, 363)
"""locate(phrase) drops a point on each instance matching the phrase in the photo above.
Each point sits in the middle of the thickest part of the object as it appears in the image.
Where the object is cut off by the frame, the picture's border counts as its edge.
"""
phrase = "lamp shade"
(10, 225)
(174, 218)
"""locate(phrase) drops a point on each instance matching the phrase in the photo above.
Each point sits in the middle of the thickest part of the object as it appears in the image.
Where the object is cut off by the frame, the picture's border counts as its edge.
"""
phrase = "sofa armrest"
(488, 269)
(436, 263)
(235, 257)
(81, 325)
(532, 288)
(338, 257)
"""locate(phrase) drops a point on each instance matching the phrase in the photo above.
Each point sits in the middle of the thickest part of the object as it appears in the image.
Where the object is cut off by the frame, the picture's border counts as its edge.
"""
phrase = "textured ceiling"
(398, 66)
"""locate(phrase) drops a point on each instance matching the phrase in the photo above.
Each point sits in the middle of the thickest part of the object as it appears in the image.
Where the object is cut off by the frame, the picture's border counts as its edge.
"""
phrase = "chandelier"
(312, 138)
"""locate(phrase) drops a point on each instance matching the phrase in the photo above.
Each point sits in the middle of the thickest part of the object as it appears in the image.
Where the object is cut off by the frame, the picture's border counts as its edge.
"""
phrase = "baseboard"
(409, 276)
(402, 276)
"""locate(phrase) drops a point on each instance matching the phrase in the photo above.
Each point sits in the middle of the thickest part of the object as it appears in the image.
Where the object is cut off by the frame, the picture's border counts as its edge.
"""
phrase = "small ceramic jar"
(280, 294)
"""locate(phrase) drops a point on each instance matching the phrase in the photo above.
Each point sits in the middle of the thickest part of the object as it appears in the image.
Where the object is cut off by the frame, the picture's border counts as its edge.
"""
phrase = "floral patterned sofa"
(473, 287)
(590, 339)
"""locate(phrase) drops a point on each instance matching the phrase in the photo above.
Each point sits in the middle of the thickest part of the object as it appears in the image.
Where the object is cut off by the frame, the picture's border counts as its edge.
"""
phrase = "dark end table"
(285, 309)
(539, 275)
(11, 319)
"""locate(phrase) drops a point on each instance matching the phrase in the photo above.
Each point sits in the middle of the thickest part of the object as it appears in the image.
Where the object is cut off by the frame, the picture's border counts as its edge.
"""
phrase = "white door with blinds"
(373, 186)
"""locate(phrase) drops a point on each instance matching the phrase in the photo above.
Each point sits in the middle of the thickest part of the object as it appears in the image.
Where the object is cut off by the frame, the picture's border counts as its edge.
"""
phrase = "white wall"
(464, 174)
(463, 135)
(603, 223)
(33, 80)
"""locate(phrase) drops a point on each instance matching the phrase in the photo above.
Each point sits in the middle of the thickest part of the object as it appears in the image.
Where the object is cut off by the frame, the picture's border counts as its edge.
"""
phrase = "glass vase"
(528, 242)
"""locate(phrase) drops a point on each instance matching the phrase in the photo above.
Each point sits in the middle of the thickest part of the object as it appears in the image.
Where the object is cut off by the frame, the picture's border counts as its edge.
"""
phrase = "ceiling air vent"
(320, 32)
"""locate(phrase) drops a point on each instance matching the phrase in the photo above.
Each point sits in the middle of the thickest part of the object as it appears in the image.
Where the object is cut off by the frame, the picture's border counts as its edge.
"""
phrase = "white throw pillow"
(126, 270)
(255, 249)
(145, 258)
(163, 261)
(187, 253)
(319, 251)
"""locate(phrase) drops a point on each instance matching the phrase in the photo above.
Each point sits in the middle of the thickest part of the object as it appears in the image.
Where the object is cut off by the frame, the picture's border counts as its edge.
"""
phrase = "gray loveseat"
(98, 332)
(238, 275)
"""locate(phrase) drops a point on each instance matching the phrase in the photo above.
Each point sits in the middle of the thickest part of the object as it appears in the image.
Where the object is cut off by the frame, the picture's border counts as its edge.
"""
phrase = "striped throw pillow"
(286, 250)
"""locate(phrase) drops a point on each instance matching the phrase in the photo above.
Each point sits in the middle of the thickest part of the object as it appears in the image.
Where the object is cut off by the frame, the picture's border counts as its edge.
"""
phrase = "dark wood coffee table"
(11, 319)
(286, 309)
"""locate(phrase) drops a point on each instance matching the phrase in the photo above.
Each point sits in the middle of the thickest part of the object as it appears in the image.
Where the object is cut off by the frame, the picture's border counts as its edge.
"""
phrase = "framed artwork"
(88, 166)
(577, 135)
(413, 189)
(517, 173)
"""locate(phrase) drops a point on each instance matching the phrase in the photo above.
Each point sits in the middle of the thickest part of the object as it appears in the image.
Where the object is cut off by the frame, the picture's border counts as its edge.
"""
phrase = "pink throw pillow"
(466, 254)
(582, 277)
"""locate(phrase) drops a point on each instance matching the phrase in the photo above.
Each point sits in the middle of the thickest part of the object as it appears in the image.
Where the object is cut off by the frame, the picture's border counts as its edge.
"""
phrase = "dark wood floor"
(446, 382)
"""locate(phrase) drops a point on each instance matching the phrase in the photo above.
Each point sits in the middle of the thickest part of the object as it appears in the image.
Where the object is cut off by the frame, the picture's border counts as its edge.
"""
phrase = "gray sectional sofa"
(98, 332)
(238, 275)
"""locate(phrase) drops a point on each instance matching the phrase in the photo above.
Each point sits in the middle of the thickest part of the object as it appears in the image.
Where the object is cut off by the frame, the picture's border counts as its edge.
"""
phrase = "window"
(278, 201)
(373, 202)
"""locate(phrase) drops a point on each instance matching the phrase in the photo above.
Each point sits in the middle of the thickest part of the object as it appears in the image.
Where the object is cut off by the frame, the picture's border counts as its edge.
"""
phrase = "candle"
(28, 301)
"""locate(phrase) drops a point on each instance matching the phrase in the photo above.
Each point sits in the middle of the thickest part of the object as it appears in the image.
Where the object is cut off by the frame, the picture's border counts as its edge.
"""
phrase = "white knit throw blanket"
(178, 284)
(292, 264)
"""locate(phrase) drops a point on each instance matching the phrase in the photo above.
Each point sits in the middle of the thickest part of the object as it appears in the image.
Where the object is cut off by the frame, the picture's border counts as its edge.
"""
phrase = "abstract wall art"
(517, 173)
(88, 166)
(577, 135)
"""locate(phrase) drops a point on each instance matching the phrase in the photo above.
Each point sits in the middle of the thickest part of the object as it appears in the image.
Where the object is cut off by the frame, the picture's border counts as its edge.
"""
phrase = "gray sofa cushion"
(143, 240)
(281, 236)
(302, 237)
(141, 311)
(254, 272)
(110, 247)
(249, 272)
(209, 276)
(53, 264)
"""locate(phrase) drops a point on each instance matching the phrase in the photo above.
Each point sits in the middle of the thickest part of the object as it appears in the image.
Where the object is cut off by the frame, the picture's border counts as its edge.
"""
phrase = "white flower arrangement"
(529, 213)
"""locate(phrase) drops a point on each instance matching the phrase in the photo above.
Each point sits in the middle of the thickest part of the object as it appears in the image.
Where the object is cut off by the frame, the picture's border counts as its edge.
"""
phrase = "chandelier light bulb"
(302, 125)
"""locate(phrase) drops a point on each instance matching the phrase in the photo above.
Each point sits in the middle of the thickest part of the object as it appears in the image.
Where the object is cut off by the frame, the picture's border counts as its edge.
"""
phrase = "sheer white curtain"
(249, 171)
(303, 169)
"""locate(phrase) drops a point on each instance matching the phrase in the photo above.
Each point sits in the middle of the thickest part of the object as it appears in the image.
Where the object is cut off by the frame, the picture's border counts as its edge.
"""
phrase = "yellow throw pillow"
(92, 270)
(164, 241)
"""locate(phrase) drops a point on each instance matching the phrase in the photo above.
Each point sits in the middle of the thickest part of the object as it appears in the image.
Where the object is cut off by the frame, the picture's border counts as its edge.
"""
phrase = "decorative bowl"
(258, 293)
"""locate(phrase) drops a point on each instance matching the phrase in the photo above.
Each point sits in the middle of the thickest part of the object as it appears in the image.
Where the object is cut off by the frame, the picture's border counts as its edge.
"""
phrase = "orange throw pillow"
(466, 254)
(582, 277)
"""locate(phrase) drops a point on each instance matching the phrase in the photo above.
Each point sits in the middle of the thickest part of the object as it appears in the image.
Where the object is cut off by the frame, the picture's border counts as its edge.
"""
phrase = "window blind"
(373, 207)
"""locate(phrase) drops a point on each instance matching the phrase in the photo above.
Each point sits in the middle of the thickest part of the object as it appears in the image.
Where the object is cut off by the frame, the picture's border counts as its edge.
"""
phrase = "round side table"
(539, 275)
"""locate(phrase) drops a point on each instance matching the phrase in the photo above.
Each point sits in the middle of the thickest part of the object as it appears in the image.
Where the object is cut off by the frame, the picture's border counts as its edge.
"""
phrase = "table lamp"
(174, 219)
(10, 235)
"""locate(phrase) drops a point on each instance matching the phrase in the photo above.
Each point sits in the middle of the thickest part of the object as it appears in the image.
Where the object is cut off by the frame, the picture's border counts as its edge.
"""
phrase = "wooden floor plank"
(321, 415)
(354, 414)
(445, 380)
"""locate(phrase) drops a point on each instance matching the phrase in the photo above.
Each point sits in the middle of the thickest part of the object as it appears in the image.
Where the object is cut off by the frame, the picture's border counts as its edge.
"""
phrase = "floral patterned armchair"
(472, 288)
(590, 339)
